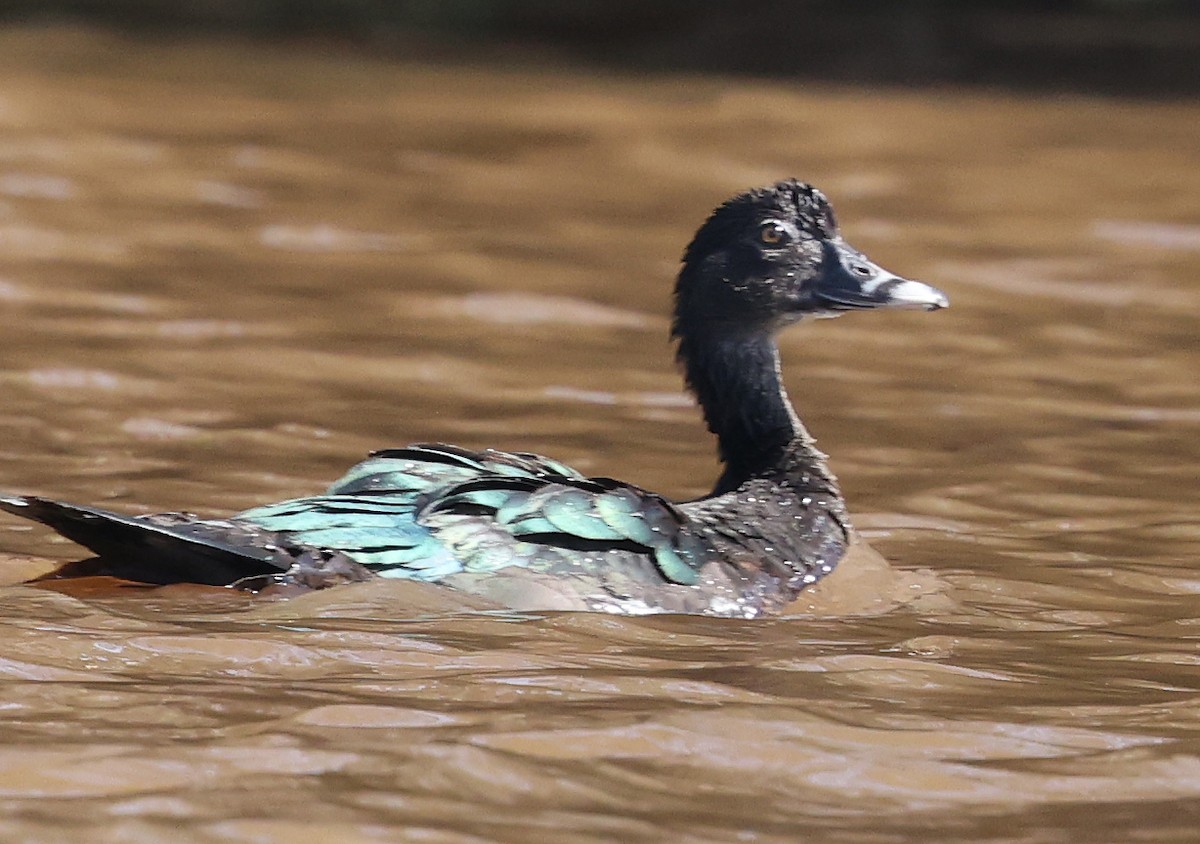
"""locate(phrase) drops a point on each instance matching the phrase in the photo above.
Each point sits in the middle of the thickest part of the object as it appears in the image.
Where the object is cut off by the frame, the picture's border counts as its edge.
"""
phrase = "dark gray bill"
(850, 282)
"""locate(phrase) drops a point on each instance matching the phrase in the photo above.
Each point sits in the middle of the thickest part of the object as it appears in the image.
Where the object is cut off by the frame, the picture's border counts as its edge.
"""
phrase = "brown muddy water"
(226, 272)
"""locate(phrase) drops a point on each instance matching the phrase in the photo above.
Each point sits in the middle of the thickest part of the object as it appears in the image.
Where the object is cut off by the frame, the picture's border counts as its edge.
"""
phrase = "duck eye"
(773, 234)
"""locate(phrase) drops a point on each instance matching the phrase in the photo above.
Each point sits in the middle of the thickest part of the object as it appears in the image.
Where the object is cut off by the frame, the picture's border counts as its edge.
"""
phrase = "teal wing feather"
(589, 514)
(426, 466)
(429, 511)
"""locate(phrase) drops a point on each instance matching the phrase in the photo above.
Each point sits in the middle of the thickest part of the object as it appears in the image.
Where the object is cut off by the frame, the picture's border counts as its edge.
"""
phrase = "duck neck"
(737, 381)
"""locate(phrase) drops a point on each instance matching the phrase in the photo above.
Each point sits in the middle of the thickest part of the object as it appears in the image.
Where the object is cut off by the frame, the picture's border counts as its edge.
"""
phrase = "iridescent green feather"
(428, 511)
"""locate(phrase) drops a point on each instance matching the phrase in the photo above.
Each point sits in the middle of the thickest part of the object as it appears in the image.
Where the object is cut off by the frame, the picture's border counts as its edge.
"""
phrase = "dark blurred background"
(1149, 47)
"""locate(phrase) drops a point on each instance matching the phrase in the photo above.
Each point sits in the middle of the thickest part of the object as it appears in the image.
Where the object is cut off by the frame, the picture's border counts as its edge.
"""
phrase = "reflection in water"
(1027, 464)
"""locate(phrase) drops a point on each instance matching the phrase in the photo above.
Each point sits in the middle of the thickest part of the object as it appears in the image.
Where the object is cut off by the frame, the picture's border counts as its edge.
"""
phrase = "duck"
(528, 532)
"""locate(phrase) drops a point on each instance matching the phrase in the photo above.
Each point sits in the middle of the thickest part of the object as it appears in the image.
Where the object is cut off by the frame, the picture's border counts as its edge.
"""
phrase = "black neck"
(737, 381)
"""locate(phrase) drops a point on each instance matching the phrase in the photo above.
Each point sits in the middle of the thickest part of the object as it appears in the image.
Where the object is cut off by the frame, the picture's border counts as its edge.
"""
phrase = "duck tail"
(162, 548)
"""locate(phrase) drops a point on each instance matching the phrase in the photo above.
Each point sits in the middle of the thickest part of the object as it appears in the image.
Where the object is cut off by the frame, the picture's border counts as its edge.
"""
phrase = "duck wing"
(430, 511)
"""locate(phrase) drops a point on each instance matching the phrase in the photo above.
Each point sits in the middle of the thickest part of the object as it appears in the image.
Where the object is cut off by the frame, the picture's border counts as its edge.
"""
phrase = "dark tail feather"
(156, 549)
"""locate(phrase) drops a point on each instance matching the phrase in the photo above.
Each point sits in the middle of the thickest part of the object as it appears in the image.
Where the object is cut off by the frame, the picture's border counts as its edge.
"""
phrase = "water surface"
(228, 272)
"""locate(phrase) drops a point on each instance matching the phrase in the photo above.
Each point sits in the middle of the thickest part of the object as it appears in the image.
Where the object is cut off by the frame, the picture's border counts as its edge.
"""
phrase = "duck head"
(772, 256)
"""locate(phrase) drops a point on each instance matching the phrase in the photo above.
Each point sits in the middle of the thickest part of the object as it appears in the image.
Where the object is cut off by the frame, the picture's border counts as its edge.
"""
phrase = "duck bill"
(851, 282)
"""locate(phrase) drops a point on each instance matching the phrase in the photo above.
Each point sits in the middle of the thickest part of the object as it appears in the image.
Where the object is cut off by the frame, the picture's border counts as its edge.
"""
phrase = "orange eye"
(772, 234)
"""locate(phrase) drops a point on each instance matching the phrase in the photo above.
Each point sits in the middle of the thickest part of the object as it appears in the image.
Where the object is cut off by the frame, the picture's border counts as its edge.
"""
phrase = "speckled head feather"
(735, 280)
(790, 199)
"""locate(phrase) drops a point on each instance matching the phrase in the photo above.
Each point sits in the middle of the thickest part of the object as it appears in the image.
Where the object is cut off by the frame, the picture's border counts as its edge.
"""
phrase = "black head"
(771, 256)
